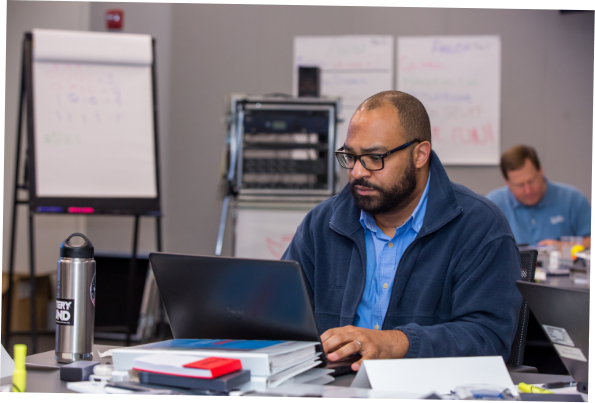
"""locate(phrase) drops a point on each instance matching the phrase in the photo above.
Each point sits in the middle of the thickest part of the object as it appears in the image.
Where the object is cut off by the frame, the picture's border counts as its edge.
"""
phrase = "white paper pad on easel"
(433, 375)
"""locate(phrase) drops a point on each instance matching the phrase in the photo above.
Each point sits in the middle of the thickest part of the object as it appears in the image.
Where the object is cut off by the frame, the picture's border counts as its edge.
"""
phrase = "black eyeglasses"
(372, 162)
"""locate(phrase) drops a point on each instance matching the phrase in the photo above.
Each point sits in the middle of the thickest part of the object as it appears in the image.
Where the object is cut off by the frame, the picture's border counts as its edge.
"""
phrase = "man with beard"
(403, 262)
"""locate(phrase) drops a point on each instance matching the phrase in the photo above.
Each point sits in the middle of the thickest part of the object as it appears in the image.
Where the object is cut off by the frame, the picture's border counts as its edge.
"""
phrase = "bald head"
(412, 114)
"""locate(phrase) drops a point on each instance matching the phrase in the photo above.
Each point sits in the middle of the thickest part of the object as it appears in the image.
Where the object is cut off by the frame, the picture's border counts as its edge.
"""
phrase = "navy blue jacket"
(454, 291)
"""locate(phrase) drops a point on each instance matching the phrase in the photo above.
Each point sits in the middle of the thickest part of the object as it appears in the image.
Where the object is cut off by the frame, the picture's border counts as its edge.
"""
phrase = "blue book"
(212, 344)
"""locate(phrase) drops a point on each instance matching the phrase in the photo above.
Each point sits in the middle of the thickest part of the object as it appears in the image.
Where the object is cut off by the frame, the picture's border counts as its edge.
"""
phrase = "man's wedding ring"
(359, 344)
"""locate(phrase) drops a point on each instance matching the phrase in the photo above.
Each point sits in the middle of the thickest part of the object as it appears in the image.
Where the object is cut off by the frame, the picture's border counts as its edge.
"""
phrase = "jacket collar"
(441, 209)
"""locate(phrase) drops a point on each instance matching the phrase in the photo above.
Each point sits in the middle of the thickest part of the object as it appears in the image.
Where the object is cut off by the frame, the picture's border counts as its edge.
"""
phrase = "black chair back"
(528, 264)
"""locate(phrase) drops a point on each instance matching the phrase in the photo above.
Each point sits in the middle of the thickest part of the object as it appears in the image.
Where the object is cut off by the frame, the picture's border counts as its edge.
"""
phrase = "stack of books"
(270, 362)
(182, 371)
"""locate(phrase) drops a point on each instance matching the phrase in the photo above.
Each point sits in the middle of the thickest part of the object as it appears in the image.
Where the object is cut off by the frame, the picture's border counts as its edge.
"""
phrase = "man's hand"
(550, 242)
(339, 343)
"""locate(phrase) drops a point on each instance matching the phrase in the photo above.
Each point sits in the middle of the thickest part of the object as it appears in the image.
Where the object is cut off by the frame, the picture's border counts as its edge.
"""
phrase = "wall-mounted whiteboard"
(93, 115)
(457, 78)
(265, 234)
(352, 67)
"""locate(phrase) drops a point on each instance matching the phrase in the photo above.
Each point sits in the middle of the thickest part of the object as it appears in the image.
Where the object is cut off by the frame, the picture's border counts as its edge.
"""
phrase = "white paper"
(312, 374)
(351, 67)
(172, 364)
(93, 114)
(107, 353)
(6, 364)
(457, 78)
(571, 353)
(91, 47)
(558, 335)
(94, 130)
(278, 379)
(265, 234)
(584, 255)
(433, 375)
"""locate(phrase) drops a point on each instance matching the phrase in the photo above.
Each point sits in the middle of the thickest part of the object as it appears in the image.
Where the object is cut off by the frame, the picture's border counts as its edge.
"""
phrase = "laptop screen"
(209, 297)
(564, 316)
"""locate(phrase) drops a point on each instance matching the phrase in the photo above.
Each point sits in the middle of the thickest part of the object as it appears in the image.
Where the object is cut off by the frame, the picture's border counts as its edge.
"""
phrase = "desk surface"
(45, 378)
(44, 375)
(563, 282)
(43, 372)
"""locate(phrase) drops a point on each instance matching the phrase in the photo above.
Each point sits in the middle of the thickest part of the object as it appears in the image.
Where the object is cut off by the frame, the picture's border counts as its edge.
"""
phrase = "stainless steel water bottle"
(75, 300)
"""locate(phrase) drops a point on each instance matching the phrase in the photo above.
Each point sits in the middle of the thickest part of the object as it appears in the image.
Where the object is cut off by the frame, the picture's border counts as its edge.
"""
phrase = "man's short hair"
(514, 158)
(412, 113)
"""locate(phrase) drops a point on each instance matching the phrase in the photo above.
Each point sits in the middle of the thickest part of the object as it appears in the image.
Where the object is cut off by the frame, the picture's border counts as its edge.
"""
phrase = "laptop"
(212, 297)
(564, 316)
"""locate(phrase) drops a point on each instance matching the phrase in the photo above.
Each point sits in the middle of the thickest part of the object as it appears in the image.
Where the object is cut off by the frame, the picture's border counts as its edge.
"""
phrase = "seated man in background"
(539, 211)
(403, 262)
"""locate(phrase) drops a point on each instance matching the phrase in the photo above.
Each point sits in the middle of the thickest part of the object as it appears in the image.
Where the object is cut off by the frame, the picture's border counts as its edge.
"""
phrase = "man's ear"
(422, 154)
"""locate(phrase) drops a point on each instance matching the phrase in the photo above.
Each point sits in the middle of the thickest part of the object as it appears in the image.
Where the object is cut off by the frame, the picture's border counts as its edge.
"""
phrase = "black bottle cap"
(77, 245)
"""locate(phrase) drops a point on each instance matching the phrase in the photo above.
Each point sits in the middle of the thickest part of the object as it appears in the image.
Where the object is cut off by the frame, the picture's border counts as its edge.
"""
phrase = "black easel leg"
(161, 319)
(131, 277)
(32, 284)
(7, 317)
(158, 230)
(15, 197)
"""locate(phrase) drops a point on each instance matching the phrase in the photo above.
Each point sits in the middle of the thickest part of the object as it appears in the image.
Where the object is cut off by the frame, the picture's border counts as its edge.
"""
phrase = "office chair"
(515, 362)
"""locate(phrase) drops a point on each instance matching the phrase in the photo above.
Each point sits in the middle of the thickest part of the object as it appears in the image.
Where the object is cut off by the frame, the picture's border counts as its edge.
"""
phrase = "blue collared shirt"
(383, 256)
(563, 210)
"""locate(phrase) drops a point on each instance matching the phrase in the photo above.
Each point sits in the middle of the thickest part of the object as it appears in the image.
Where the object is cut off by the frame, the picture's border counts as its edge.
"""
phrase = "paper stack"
(270, 362)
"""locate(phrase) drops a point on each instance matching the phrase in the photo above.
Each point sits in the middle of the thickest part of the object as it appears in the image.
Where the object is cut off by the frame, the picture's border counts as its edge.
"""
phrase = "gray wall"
(23, 16)
(547, 88)
(114, 233)
(205, 52)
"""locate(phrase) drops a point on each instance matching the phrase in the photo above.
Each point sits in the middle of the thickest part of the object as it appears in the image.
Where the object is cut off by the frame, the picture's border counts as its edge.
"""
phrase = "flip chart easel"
(92, 145)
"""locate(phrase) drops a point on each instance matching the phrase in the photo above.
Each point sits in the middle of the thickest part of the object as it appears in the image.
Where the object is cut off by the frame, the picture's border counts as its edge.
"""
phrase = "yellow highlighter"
(526, 388)
(19, 377)
(575, 249)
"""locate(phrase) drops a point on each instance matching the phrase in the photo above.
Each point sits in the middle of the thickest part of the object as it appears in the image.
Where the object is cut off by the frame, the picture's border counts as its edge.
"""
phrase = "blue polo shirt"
(383, 256)
(563, 210)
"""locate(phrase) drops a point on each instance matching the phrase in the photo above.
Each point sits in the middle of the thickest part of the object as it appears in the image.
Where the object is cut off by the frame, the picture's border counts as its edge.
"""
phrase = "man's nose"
(358, 170)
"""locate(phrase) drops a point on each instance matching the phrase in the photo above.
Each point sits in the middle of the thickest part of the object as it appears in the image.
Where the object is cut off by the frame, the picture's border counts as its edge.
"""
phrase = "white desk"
(45, 377)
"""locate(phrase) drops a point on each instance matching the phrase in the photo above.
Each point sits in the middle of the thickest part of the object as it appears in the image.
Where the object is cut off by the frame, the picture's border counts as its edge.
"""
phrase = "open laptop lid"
(208, 297)
(564, 316)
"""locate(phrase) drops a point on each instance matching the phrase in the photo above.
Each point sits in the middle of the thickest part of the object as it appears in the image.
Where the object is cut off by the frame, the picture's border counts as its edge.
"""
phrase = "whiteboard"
(457, 78)
(93, 115)
(265, 234)
(351, 67)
